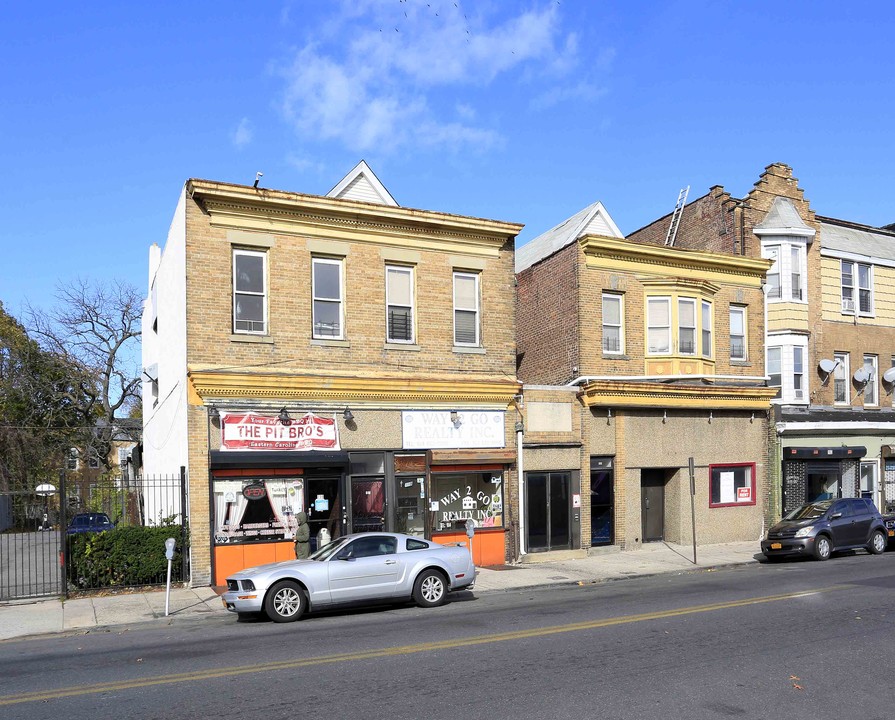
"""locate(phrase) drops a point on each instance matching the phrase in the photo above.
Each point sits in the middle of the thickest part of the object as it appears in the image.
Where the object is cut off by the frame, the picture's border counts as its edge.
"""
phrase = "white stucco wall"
(165, 423)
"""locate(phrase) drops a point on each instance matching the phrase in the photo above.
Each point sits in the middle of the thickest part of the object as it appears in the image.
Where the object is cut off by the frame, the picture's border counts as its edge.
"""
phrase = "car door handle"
(390, 562)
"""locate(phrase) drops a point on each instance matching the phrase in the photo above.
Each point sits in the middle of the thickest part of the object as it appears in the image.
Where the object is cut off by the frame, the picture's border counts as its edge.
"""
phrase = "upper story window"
(786, 363)
(871, 389)
(786, 277)
(737, 332)
(613, 329)
(466, 308)
(658, 325)
(328, 304)
(399, 303)
(249, 292)
(92, 459)
(692, 322)
(71, 461)
(857, 288)
(841, 375)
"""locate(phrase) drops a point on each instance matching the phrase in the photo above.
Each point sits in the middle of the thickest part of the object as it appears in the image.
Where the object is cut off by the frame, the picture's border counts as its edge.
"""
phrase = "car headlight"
(805, 531)
(248, 585)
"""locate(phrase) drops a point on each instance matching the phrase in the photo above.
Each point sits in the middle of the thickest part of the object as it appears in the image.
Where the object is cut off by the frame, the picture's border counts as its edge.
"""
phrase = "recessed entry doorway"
(548, 503)
(652, 504)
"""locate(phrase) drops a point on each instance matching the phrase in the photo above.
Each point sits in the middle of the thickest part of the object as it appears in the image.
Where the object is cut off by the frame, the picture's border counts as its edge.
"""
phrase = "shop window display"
(455, 498)
(261, 510)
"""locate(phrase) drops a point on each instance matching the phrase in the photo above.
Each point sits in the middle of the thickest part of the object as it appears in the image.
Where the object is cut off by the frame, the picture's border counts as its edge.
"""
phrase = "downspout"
(520, 474)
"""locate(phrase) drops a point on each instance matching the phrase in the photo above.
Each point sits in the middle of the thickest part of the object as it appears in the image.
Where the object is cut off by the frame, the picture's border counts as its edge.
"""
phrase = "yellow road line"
(44, 695)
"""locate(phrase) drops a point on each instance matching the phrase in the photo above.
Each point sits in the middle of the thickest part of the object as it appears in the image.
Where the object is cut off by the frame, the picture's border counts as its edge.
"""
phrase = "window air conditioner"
(848, 305)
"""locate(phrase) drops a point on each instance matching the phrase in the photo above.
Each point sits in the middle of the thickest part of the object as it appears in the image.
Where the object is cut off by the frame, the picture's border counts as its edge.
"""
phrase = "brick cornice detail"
(358, 389)
(609, 393)
(238, 207)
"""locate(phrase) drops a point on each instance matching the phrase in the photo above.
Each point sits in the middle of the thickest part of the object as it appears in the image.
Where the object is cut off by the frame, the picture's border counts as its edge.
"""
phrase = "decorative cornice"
(608, 393)
(612, 253)
(381, 390)
(274, 211)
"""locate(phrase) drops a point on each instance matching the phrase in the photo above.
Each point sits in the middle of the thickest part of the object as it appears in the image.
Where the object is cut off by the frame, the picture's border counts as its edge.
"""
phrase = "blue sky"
(518, 111)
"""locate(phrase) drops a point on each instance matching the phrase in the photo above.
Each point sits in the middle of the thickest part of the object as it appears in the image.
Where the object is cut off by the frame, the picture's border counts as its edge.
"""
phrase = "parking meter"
(169, 548)
(169, 553)
(470, 528)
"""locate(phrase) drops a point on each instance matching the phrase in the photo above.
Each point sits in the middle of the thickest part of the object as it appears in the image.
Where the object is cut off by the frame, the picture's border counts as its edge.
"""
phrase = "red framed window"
(731, 484)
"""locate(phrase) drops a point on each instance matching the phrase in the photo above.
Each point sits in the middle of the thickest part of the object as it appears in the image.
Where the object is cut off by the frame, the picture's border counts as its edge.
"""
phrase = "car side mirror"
(835, 516)
(344, 556)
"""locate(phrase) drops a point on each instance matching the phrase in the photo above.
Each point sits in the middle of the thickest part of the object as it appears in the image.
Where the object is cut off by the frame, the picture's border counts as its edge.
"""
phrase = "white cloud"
(377, 73)
(242, 135)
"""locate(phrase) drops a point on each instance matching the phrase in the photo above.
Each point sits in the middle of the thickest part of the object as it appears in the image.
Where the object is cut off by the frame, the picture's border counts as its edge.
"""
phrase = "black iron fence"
(88, 534)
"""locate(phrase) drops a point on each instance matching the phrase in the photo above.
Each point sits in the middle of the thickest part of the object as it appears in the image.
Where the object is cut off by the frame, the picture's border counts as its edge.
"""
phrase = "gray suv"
(820, 528)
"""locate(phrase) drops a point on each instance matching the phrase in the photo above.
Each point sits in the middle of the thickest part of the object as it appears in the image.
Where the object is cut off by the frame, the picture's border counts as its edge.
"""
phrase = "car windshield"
(811, 511)
(327, 551)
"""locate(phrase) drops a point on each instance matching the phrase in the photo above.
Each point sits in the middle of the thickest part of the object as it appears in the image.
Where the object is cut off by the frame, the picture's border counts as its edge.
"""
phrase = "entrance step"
(553, 556)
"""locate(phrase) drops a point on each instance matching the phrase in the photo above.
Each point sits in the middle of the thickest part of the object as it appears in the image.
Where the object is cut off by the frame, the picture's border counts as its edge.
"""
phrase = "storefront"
(257, 488)
(813, 473)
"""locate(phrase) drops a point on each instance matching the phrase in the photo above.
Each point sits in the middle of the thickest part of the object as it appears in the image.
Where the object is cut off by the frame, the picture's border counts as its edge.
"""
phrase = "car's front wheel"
(430, 589)
(878, 543)
(285, 602)
(822, 547)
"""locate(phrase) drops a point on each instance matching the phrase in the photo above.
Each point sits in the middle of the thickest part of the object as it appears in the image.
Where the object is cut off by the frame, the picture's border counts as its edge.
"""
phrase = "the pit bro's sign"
(251, 431)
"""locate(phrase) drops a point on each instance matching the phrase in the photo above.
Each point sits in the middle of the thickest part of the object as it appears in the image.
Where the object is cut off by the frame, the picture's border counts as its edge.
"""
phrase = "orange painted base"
(488, 546)
(229, 559)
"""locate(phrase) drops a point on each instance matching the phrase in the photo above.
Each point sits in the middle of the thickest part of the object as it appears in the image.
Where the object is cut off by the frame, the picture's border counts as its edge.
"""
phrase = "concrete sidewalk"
(41, 617)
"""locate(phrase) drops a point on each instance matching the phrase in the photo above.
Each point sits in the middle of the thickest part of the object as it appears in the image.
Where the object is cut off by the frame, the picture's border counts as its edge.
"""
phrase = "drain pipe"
(520, 475)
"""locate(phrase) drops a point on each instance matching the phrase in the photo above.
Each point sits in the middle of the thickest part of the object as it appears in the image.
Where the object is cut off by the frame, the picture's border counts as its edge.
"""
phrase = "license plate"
(776, 546)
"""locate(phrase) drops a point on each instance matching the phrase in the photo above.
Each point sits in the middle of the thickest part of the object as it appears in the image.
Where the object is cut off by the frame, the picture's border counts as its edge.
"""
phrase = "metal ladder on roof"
(676, 216)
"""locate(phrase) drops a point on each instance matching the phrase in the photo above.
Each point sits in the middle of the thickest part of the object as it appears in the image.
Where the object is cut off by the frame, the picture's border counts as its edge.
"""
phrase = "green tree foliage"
(40, 400)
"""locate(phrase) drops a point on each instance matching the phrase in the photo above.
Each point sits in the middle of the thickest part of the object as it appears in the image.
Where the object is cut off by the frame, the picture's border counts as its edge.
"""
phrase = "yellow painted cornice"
(606, 253)
(608, 393)
(690, 285)
(380, 389)
(274, 211)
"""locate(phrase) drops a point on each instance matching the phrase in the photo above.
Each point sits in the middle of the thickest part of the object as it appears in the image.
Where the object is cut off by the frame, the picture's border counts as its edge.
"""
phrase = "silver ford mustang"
(353, 569)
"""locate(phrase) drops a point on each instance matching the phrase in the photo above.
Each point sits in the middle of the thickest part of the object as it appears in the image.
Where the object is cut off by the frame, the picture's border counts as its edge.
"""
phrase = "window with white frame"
(613, 330)
(857, 288)
(706, 329)
(328, 298)
(658, 324)
(786, 362)
(686, 331)
(786, 277)
(466, 308)
(869, 473)
(71, 461)
(399, 303)
(841, 375)
(871, 389)
(249, 292)
(92, 459)
(775, 369)
(737, 332)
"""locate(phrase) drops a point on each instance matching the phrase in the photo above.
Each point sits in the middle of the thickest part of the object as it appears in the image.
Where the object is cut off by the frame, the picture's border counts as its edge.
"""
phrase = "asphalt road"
(794, 640)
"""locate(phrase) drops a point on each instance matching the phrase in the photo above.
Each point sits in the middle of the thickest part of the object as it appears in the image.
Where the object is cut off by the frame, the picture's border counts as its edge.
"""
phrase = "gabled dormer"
(361, 184)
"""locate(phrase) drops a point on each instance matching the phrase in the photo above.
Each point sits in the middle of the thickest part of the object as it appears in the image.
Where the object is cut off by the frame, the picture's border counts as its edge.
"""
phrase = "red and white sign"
(250, 431)
(744, 494)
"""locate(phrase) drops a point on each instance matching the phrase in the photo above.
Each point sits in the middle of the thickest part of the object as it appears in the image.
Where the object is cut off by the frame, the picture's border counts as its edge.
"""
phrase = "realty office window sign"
(437, 429)
(252, 431)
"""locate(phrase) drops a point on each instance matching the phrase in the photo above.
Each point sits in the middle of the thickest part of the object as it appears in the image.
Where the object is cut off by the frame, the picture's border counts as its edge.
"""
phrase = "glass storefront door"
(367, 504)
(602, 504)
(548, 509)
(411, 506)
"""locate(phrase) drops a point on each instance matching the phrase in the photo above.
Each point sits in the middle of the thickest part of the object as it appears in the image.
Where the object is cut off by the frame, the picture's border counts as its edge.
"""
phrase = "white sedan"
(353, 569)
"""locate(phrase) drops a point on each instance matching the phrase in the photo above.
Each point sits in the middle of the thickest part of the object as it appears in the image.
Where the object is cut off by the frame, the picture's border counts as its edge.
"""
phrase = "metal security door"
(652, 505)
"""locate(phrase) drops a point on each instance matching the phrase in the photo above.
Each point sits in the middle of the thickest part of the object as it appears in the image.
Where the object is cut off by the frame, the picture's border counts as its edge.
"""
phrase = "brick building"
(339, 355)
(830, 334)
(637, 357)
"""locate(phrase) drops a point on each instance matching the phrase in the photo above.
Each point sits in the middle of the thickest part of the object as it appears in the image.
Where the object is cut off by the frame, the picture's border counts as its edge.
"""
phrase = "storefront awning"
(222, 459)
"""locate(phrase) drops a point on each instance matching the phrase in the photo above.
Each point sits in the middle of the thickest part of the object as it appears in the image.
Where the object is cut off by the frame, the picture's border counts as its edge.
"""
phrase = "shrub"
(127, 555)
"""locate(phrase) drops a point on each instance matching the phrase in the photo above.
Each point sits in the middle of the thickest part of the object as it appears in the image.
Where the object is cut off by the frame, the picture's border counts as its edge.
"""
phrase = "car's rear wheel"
(285, 602)
(822, 547)
(878, 543)
(430, 589)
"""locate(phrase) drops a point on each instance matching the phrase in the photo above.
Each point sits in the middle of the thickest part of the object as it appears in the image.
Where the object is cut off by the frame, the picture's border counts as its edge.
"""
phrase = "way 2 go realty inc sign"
(251, 431)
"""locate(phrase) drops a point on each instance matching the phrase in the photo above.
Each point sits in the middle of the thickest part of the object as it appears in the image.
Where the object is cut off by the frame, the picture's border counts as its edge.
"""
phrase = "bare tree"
(96, 327)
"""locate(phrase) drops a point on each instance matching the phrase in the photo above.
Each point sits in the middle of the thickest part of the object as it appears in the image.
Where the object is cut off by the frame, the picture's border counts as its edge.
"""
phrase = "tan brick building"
(632, 367)
(830, 334)
(339, 355)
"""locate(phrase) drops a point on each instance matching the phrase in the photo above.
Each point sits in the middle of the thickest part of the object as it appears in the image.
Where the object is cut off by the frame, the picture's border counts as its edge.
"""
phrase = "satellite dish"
(861, 377)
(827, 366)
(889, 375)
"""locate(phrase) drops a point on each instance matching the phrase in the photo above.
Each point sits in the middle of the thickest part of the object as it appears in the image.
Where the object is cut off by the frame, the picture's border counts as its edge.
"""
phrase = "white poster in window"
(728, 490)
